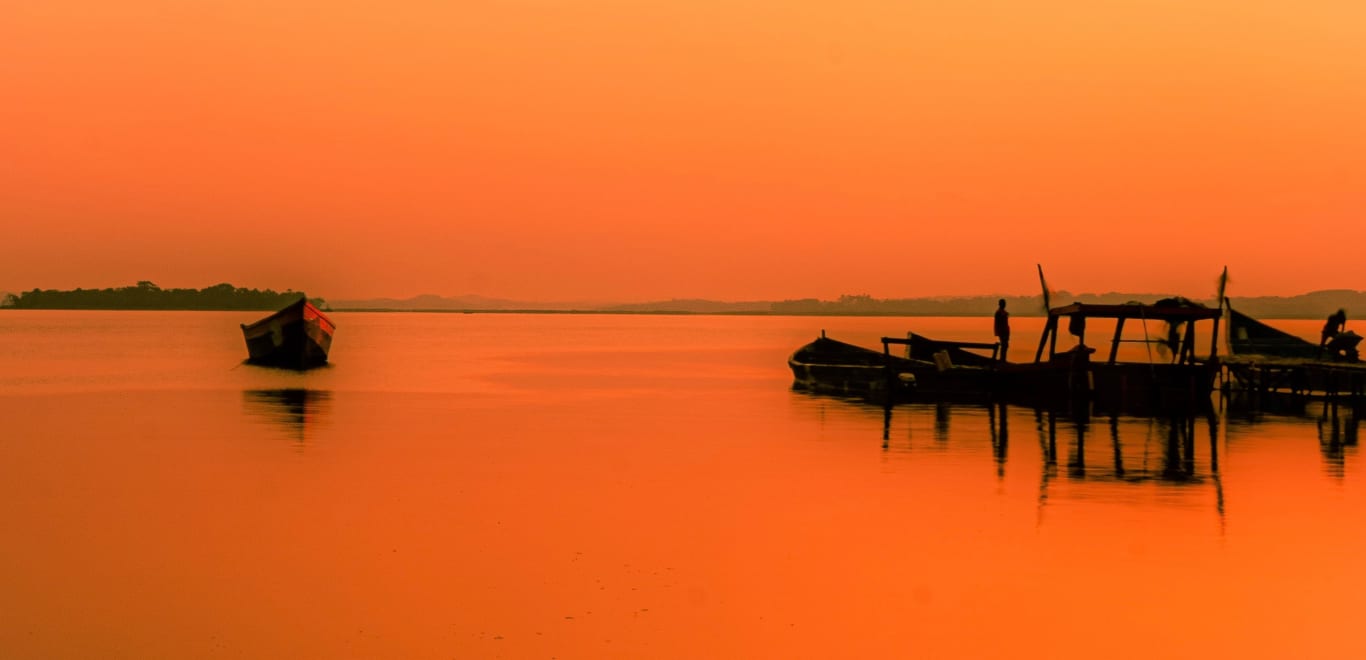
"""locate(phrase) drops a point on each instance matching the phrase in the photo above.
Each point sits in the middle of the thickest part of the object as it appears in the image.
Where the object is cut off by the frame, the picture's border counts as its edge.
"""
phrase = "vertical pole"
(1188, 344)
(1043, 339)
(887, 374)
(1214, 341)
(1114, 345)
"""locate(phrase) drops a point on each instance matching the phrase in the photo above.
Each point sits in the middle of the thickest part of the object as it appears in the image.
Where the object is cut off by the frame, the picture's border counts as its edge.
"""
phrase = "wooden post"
(1048, 327)
(1114, 345)
(1188, 344)
(887, 374)
(1214, 341)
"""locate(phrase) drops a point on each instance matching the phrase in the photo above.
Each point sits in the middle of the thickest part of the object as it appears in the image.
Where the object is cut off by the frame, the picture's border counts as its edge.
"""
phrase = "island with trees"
(147, 295)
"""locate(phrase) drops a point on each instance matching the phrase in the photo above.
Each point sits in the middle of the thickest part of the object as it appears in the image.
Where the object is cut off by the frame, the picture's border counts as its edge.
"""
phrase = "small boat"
(931, 369)
(296, 337)
(1265, 360)
(1248, 336)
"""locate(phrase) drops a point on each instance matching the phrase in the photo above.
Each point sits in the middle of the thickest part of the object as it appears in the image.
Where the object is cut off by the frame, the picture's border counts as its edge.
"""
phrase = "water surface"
(634, 486)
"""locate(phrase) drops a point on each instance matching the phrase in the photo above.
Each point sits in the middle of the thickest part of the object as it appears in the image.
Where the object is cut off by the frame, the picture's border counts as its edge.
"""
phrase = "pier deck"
(1297, 376)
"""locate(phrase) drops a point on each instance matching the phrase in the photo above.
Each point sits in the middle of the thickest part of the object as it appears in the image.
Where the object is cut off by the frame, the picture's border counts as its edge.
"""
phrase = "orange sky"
(728, 149)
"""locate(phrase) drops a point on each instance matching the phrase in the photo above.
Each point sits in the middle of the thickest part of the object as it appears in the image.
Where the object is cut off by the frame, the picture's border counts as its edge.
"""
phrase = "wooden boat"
(1267, 361)
(296, 337)
(931, 369)
(952, 370)
(1182, 381)
(1248, 336)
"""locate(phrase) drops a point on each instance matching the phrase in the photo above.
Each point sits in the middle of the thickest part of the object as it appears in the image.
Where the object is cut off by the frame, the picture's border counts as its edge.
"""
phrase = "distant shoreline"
(593, 312)
(146, 296)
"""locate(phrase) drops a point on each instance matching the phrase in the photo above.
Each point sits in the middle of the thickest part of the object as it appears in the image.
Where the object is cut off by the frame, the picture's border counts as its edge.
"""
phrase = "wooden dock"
(1311, 379)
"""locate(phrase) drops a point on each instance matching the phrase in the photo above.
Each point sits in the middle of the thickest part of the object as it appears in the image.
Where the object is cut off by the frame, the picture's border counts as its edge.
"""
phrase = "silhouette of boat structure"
(296, 337)
(1181, 378)
(928, 368)
(933, 369)
(1265, 360)
(1248, 336)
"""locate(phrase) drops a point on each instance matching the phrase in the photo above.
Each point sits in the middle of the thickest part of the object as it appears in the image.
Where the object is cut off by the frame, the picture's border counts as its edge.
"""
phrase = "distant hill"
(1310, 305)
(1313, 305)
(145, 295)
(433, 302)
(694, 306)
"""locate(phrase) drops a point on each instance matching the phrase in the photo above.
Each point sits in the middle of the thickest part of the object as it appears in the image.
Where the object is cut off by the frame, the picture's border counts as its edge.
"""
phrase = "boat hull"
(1129, 388)
(828, 366)
(296, 337)
(1069, 379)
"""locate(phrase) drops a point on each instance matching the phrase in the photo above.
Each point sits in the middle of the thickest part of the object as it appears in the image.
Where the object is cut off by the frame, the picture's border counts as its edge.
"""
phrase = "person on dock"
(1002, 328)
(1336, 323)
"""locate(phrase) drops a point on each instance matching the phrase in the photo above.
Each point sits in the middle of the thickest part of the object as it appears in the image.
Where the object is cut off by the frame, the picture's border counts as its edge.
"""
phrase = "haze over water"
(634, 486)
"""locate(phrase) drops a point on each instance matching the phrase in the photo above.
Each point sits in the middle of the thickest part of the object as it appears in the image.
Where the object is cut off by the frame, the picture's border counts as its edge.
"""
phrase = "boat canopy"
(1175, 312)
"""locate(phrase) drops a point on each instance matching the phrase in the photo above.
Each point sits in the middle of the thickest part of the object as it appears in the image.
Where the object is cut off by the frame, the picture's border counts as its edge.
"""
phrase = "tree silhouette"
(147, 295)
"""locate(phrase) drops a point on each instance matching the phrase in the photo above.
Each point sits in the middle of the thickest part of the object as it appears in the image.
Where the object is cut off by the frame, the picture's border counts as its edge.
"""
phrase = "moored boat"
(1182, 379)
(954, 370)
(1248, 336)
(1265, 360)
(296, 337)
(931, 369)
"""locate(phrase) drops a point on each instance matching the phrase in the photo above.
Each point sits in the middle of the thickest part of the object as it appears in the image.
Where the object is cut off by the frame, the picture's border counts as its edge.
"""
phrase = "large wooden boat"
(939, 369)
(1180, 379)
(296, 337)
(930, 369)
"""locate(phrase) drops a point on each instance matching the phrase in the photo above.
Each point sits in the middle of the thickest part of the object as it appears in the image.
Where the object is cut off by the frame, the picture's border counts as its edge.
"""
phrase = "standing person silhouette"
(1002, 328)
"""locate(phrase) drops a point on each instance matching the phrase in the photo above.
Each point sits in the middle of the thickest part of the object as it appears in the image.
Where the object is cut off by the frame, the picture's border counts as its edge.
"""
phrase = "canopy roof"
(1159, 312)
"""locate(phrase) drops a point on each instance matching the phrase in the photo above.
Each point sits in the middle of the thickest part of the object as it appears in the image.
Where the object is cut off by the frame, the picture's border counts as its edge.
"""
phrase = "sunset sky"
(726, 149)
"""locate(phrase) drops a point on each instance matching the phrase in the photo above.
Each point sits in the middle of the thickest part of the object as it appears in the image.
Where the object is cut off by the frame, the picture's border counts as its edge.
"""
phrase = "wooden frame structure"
(1172, 314)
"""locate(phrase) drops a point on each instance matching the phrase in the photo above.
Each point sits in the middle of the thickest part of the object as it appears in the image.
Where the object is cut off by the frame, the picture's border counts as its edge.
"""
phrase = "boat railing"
(937, 344)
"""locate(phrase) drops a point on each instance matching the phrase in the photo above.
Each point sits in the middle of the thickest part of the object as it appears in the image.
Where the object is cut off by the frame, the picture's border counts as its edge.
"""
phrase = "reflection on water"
(1161, 451)
(1085, 457)
(1096, 458)
(159, 505)
(998, 422)
(1336, 422)
(941, 422)
(294, 411)
(1337, 427)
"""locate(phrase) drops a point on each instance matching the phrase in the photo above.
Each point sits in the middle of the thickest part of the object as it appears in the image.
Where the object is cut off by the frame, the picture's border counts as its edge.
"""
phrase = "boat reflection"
(1161, 451)
(294, 411)
(1336, 421)
(1337, 427)
(1092, 459)
(998, 424)
(1085, 462)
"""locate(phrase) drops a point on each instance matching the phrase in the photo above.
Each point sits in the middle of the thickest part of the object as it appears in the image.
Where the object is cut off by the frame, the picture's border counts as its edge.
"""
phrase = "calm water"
(478, 486)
